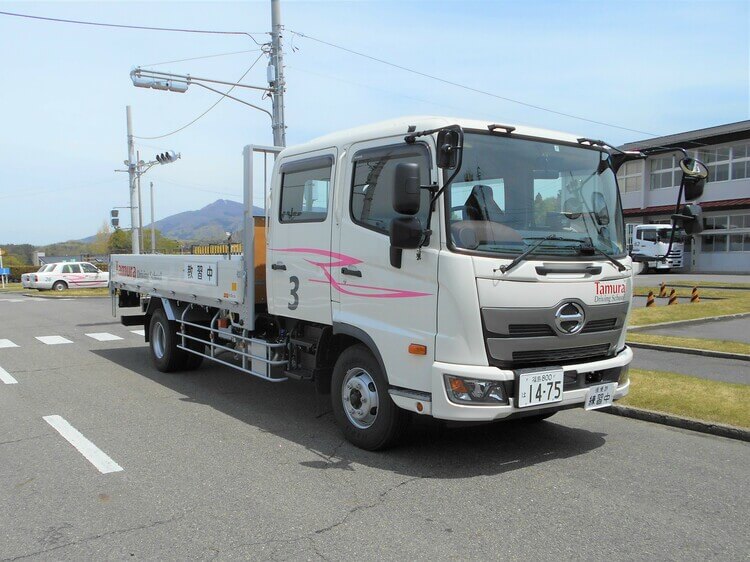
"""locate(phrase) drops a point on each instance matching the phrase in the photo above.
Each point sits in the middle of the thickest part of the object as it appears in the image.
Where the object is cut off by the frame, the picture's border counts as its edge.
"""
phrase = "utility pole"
(153, 232)
(132, 184)
(276, 75)
(140, 202)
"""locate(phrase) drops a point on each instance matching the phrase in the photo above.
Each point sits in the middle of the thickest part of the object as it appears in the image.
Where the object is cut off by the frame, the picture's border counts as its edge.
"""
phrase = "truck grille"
(555, 356)
(530, 330)
(599, 325)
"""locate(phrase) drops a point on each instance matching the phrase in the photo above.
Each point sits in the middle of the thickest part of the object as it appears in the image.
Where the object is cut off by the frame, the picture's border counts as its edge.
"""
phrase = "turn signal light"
(417, 349)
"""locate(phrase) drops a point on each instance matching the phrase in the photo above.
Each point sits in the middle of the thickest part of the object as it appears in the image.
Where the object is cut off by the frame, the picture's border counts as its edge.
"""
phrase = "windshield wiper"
(591, 249)
(520, 258)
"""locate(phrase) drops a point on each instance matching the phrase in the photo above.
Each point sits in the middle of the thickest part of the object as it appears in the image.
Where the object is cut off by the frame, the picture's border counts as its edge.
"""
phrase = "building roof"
(694, 139)
(725, 205)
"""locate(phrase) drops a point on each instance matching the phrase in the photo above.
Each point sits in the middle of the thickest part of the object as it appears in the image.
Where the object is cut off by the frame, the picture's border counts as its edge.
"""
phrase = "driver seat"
(481, 205)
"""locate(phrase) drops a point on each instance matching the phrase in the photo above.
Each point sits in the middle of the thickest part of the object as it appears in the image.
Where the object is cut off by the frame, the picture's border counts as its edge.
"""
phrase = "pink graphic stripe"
(344, 260)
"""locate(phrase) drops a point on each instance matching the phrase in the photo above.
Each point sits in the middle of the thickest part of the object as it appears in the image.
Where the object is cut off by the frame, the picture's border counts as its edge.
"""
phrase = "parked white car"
(69, 275)
(27, 279)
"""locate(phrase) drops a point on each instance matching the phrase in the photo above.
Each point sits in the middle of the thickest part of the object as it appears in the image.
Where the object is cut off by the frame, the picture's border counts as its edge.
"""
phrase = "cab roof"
(400, 127)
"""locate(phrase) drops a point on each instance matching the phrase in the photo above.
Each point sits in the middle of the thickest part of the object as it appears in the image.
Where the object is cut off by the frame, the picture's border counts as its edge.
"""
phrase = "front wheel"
(362, 407)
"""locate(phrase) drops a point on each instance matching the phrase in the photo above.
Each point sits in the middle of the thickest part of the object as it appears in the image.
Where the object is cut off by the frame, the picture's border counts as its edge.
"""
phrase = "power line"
(469, 88)
(200, 58)
(141, 27)
(223, 96)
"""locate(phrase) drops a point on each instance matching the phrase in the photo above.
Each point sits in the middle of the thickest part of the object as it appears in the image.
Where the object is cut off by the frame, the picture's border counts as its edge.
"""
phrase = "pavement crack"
(84, 540)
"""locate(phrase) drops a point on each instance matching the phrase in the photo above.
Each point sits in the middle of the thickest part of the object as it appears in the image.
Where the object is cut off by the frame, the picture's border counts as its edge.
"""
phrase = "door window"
(305, 186)
(71, 268)
(88, 268)
(372, 184)
(649, 235)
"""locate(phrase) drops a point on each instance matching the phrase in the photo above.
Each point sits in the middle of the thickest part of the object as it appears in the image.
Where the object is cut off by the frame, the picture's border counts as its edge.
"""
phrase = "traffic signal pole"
(134, 204)
(278, 84)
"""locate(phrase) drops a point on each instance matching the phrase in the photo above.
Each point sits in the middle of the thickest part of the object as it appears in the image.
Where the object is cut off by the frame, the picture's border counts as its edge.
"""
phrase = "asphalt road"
(732, 330)
(217, 465)
(726, 370)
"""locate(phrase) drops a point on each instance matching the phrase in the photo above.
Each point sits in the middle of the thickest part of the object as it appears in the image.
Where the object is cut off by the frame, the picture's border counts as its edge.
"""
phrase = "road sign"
(4, 271)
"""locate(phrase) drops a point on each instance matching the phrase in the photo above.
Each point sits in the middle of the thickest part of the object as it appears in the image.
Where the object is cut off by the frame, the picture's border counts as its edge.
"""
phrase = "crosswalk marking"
(104, 336)
(53, 340)
(7, 343)
(93, 454)
(139, 332)
(6, 377)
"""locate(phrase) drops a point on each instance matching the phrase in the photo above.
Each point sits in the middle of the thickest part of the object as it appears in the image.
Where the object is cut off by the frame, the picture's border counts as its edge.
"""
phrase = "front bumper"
(439, 406)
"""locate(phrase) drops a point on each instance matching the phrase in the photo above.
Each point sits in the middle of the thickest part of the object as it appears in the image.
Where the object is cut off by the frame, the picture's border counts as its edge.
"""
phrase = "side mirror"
(691, 219)
(599, 204)
(405, 234)
(572, 208)
(406, 188)
(694, 177)
(447, 149)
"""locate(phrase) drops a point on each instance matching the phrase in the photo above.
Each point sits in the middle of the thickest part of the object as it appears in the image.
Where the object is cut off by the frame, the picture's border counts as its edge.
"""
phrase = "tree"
(100, 245)
(119, 242)
(164, 245)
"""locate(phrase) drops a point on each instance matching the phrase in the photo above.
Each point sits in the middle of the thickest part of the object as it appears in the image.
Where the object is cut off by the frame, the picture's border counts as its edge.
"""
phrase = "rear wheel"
(362, 407)
(59, 286)
(165, 355)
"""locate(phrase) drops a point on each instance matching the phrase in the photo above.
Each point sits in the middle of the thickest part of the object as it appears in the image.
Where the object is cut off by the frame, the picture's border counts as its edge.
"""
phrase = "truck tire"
(361, 405)
(165, 355)
(59, 286)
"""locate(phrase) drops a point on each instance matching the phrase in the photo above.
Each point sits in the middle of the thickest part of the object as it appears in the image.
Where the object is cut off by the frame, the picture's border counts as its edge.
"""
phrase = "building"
(649, 192)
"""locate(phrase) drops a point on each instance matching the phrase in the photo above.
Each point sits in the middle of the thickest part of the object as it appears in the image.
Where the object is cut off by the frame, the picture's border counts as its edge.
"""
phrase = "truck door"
(300, 238)
(394, 307)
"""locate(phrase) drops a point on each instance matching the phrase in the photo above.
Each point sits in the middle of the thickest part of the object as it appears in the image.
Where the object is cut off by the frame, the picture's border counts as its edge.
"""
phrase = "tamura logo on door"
(610, 292)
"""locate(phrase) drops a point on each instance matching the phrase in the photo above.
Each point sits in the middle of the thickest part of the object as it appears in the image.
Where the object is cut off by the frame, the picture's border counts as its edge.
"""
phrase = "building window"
(715, 223)
(630, 176)
(717, 160)
(740, 161)
(664, 172)
(733, 239)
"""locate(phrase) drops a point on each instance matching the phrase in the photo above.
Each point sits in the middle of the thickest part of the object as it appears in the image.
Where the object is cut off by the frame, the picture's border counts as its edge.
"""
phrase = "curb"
(691, 321)
(64, 296)
(690, 351)
(718, 429)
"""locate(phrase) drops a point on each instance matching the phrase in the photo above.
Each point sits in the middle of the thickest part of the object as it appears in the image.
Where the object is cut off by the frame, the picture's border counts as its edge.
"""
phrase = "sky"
(650, 66)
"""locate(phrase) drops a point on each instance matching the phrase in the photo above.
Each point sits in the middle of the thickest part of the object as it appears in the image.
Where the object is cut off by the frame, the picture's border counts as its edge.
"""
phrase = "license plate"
(600, 396)
(540, 387)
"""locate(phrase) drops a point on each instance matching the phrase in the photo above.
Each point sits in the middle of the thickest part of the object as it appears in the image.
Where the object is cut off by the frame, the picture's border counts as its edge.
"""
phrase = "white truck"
(464, 270)
(651, 241)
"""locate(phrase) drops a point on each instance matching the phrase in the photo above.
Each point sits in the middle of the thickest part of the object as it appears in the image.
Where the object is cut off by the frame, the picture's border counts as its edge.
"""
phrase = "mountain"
(207, 224)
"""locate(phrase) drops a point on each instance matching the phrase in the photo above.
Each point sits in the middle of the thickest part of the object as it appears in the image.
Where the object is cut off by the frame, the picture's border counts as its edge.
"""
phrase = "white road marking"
(93, 454)
(53, 340)
(6, 378)
(104, 336)
(7, 343)
(11, 300)
(139, 332)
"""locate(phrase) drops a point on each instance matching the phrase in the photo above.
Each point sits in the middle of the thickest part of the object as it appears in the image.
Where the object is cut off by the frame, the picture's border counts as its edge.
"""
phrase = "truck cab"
(652, 240)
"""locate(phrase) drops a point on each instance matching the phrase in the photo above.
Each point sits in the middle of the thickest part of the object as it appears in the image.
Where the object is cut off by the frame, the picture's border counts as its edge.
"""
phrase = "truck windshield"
(511, 193)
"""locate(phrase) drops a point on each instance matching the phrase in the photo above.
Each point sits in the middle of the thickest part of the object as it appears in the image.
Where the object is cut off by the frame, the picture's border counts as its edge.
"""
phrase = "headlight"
(475, 391)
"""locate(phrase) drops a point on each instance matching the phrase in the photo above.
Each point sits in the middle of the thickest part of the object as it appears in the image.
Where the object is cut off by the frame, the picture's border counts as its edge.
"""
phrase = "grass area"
(691, 397)
(12, 288)
(708, 284)
(691, 343)
(732, 302)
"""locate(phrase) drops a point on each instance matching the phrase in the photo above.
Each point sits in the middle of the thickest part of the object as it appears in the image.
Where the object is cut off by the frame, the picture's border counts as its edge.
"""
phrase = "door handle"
(278, 266)
(352, 272)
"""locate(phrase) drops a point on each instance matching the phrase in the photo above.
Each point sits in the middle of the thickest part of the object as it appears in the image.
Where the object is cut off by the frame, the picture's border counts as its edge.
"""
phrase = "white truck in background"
(464, 270)
(650, 241)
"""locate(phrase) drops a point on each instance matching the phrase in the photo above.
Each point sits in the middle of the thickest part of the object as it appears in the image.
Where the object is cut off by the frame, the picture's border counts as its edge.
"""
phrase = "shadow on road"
(430, 448)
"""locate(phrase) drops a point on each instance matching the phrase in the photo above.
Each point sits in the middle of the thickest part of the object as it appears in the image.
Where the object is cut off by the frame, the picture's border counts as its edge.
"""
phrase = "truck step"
(300, 374)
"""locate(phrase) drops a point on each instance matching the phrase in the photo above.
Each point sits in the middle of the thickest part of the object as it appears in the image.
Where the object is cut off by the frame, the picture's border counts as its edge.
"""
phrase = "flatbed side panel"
(213, 280)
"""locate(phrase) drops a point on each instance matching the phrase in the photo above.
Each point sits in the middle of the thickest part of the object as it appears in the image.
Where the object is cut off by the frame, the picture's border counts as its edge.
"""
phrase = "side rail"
(256, 357)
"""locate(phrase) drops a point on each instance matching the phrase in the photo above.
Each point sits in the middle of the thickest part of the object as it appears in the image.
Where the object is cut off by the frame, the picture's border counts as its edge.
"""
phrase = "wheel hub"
(359, 397)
